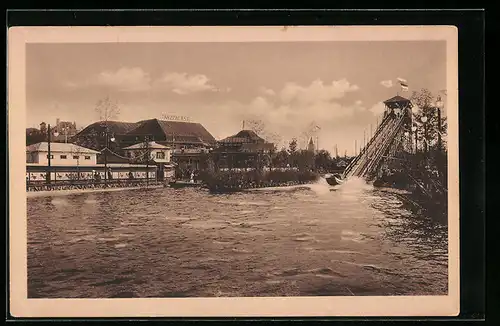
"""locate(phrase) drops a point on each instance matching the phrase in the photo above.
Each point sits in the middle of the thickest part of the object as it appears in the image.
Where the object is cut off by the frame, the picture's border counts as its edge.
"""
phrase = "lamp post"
(424, 121)
(107, 139)
(48, 175)
(439, 106)
(148, 157)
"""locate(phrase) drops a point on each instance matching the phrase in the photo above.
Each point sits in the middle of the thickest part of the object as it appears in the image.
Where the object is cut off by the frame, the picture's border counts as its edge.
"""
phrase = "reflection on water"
(292, 241)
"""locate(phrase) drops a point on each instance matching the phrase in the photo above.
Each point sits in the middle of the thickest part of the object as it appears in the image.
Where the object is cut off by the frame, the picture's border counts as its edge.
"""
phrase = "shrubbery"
(254, 179)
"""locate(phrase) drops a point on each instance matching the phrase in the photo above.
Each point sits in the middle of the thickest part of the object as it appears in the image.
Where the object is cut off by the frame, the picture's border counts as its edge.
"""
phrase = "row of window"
(63, 157)
(159, 155)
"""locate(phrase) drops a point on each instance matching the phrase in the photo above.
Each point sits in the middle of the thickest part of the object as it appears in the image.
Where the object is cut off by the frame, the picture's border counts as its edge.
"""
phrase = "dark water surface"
(187, 243)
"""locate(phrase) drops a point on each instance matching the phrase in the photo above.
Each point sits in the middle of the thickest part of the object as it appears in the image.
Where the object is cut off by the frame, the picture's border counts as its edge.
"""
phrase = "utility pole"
(48, 176)
(364, 140)
(439, 130)
(106, 159)
(425, 138)
(147, 160)
(416, 141)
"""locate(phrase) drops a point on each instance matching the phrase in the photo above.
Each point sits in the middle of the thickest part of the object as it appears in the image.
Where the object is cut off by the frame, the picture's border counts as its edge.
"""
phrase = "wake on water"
(321, 187)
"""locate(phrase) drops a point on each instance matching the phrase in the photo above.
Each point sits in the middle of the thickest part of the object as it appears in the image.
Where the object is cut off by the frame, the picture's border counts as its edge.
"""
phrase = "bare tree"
(107, 109)
(257, 126)
(260, 128)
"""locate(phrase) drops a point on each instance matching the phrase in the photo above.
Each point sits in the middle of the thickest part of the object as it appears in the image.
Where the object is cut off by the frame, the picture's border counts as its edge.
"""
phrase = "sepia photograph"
(245, 165)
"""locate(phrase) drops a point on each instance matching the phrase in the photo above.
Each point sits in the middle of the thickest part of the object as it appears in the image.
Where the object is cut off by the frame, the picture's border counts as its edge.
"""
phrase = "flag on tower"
(404, 84)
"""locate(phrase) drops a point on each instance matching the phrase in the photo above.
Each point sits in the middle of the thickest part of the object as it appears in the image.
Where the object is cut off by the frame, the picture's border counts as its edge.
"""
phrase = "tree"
(34, 136)
(428, 133)
(323, 160)
(94, 136)
(280, 159)
(144, 156)
(256, 126)
(292, 146)
(107, 109)
(304, 159)
(292, 151)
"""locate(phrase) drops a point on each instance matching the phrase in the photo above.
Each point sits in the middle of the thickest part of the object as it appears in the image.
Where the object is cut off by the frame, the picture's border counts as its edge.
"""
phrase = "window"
(87, 157)
(160, 155)
(51, 156)
(63, 157)
(76, 157)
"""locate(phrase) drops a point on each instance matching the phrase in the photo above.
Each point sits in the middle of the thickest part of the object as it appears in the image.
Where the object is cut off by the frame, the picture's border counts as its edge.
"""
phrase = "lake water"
(297, 241)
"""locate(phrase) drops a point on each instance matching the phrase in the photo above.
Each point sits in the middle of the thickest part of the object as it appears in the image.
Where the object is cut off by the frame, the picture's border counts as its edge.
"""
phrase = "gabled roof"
(150, 145)
(114, 127)
(397, 102)
(244, 136)
(397, 98)
(176, 130)
(59, 148)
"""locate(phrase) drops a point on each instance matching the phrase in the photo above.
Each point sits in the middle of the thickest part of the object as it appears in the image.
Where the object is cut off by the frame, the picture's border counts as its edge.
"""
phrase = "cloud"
(387, 83)
(378, 108)
(291, 112)
(183, 83)
(316, 91)
(136, 80)
(267, 91)
(125, 79)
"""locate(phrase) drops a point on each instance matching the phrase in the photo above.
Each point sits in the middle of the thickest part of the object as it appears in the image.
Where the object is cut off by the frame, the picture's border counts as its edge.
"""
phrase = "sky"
(289, 86)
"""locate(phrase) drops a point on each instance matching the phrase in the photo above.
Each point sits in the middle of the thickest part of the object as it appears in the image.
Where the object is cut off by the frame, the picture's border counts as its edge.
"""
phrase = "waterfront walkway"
(66, 192)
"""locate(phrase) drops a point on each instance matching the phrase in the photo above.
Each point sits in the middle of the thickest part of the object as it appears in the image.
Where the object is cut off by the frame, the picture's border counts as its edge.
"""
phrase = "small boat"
(334, 179)
(184, 184)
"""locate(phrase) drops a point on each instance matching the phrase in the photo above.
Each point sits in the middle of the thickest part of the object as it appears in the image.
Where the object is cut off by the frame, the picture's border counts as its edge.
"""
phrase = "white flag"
(404, 84)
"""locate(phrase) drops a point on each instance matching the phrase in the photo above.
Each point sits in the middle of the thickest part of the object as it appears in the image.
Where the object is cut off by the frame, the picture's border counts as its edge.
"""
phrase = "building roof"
(178, 131)
(59, 148)
(151, 145)
(32, 130)
(398, 102)
(114, 127)
(244, 136)
(397, 98)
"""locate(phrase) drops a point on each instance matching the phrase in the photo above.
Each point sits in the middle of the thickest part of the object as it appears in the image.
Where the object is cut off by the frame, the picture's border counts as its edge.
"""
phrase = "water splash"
(355, 185)
(321, 187)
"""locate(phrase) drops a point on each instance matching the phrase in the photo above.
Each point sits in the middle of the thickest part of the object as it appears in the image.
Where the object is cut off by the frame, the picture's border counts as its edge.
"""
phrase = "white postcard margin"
(21, 306)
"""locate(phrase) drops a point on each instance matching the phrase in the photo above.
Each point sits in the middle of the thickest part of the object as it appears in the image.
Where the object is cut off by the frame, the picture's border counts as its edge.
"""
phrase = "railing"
(190, 151)
(91, 184)
(371, 155)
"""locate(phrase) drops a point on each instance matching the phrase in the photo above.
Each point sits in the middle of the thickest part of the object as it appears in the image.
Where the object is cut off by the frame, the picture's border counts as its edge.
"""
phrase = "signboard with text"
(171, 117)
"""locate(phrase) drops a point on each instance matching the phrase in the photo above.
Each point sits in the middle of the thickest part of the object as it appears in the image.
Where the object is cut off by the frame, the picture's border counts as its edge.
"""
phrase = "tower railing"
(371, 156)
